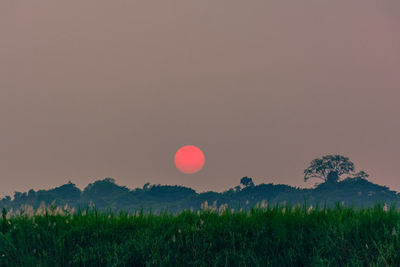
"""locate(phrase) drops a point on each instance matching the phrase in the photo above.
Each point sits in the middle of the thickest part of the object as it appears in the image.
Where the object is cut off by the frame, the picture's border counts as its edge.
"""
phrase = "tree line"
(340, 184)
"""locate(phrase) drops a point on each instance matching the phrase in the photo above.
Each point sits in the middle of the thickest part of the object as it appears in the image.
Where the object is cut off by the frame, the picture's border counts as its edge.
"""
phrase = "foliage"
(246, 181)
(106, 194)
(330, 168)
(280, 235)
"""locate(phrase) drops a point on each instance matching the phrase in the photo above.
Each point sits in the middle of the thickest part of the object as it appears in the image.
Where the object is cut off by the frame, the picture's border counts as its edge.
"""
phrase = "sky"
(98, 88)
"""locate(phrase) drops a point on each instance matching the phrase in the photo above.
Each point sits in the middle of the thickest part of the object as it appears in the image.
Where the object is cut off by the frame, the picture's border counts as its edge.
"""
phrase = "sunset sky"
(101, 88)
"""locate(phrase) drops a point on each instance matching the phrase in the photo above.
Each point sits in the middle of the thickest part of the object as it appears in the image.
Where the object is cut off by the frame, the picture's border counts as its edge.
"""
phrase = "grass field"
(264, 236)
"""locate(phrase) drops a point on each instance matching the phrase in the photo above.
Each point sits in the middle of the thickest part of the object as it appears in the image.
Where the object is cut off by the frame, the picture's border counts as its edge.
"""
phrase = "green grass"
(269, 236)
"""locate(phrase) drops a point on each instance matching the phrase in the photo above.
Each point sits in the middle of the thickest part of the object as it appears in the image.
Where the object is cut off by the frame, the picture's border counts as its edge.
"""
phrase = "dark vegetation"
(267, 236)
(249, 225)
(339, 184)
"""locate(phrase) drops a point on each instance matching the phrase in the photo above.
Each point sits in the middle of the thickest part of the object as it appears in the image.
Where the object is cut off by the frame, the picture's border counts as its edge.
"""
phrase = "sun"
(189, 159)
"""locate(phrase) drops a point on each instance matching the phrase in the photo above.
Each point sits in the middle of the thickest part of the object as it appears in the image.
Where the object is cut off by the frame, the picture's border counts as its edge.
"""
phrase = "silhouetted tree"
(146, 186)
(360, 175)
(5, 201)
(103, 192)
(246, 181)
(17, 195)
(31, 194)
(329, 168)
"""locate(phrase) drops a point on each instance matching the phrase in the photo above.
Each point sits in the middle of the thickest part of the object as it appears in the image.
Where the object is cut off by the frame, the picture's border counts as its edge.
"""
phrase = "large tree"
(329, 168)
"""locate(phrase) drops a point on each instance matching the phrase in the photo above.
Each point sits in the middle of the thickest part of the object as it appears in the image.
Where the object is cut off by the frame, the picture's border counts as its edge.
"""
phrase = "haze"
(94, 89)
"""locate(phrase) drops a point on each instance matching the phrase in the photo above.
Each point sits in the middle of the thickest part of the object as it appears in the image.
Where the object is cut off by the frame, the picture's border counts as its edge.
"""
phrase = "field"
(264, 236)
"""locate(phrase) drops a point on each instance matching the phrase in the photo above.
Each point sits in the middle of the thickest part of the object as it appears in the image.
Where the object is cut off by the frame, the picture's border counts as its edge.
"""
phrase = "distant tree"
(31, 193)
(20, 197)
(360, 175)
(67, 191)
(5, 201)
(146, 186)
(168, 193)
(246, 181)
(237, 188)
(107, 179)
(103, 191)
(329, 168)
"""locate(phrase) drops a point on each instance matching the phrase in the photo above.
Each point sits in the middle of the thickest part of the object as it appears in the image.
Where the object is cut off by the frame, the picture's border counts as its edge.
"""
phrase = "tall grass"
(264, 236)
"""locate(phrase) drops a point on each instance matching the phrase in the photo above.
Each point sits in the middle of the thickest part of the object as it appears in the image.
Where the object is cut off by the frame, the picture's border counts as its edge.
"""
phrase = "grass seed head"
(394, 232)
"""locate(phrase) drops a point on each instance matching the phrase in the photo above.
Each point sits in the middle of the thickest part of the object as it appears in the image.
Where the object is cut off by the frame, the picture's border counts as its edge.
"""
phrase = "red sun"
(189, 159)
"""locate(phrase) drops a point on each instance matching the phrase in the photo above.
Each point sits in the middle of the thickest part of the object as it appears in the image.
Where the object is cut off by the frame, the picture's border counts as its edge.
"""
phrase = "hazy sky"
(101, 88)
